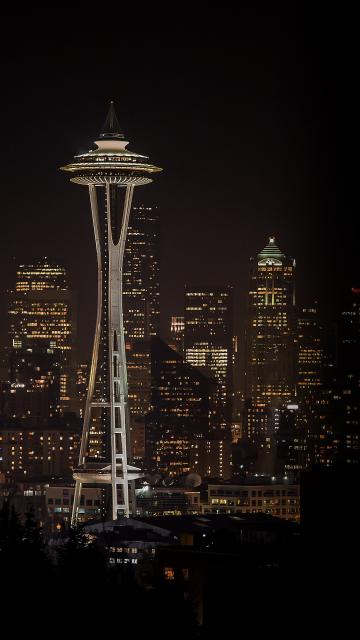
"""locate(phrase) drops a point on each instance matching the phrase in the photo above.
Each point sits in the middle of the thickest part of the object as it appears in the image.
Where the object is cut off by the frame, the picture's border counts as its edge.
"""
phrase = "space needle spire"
(111, 172)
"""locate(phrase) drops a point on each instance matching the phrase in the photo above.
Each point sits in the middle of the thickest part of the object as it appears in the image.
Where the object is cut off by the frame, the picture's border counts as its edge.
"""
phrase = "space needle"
(111, 172)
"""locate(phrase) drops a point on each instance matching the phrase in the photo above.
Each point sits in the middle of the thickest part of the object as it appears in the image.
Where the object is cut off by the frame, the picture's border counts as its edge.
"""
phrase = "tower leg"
(119, 426)
(76, 503)
(111, 395)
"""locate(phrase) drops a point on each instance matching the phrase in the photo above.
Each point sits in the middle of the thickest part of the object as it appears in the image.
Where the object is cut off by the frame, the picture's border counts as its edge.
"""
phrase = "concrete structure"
(281, 500)
(109, 171)
(209, 345)
(270, 344)
(42, 319)
(28, 451)
(167, 501)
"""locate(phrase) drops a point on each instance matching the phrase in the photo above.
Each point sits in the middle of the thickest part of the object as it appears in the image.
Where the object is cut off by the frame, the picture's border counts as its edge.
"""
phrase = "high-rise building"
(348, 365)
(292, 440)
(42, 318)
(81, 388)
(179, 411)
(310, 352)
(212, 458)
(33, 395)
(141, 283)
(348, 348)
(138, 360)
(177, 330)
(40, 452)
(208, 344)
(270, 337)
(141, 304)
(297, 442)
(333, 411)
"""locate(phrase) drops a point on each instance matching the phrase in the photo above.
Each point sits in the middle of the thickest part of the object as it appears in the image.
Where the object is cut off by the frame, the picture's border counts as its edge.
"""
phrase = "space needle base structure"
(111, 172)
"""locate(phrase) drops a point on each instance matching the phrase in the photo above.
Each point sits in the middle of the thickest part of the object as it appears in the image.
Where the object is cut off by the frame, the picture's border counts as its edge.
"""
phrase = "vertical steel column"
(117, 360)
(95, 353)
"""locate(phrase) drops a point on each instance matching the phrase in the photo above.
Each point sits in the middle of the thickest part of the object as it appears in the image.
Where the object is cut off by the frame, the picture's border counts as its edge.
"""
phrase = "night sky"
(253, 125)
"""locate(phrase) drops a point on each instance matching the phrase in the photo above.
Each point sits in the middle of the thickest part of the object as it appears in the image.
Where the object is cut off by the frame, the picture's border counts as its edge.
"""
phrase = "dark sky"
(252, 121)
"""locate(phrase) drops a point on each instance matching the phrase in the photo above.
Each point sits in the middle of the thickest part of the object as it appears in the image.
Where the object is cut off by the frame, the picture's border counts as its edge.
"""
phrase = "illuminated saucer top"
(111, 162)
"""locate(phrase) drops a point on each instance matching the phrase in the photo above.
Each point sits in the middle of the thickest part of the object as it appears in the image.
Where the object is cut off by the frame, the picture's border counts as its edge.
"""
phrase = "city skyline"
(180, 364)
(268, 111)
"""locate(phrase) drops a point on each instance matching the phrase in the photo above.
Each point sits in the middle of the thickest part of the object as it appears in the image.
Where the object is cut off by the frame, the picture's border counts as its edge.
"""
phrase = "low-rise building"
(281, 500)
(167, 501)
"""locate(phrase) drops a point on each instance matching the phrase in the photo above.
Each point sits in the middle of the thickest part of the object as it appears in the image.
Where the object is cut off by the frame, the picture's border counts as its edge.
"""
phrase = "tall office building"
(177, 329)
(343, 418)
(141, 303)
(141, 284)
(179, 411)
(138, 361)
(296, 440)
(270, 337)
(348, 348)
(42, 326)
(332, 410)
(33, 394)
(48, 450)
(208, 344)
(81, 388)
(310, 352)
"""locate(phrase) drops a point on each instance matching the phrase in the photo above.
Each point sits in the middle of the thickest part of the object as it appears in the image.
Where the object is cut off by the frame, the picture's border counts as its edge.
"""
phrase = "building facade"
(281, 500)
(212, 458)
(180, 407)
(28, 451)
(42, 319)
(177, 329)
(209, 345)
(141, 274)
(270, 346)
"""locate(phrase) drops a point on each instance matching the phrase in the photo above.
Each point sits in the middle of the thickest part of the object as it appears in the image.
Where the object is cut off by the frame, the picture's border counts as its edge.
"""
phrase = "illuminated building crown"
(271, 254)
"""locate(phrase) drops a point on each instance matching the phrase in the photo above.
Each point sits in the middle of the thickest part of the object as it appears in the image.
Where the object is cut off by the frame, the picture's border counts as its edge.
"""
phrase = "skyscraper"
(335, 419)
(312, 360)
(141, 300)
(138, 360)
(42, 318)
(208, 343)
(39, 452)
(141, 283)
(111, 172)
(33, 393)
(179, 411)
(334, 410)
(177, 328)
(348, 426)
(270, 334)
(310, 352)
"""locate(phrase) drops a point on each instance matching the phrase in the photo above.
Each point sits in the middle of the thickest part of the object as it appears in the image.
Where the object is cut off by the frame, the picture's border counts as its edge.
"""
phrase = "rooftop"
(111, 162)
(271, 254)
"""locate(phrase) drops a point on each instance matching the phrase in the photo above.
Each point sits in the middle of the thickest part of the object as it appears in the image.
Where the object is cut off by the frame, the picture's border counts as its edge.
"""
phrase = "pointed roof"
(111, 128)
(271, 252)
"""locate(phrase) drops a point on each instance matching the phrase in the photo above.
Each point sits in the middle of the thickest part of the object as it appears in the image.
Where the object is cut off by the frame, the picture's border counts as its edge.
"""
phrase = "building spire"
(111, 128)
